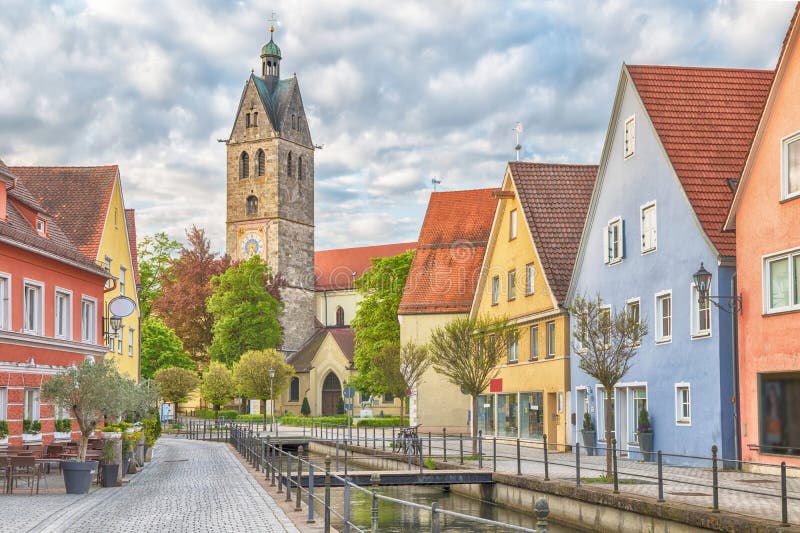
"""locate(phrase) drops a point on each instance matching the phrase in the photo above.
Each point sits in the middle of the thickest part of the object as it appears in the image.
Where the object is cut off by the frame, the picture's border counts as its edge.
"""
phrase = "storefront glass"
(780, 413)
(507, 415)
(486, 414)
(531, 420)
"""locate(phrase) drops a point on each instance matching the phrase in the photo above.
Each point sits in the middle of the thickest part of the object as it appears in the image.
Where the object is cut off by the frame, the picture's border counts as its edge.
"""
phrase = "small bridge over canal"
(389, 478)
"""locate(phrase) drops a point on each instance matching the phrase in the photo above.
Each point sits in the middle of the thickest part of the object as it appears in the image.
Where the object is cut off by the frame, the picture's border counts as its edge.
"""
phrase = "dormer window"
(41, 227)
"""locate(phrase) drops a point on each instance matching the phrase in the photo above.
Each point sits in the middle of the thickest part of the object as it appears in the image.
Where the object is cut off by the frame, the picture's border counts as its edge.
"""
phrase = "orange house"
(766, 216)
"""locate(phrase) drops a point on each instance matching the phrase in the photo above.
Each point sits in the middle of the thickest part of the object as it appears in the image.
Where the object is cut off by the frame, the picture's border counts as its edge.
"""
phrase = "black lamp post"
(271, 401)
(702, 281)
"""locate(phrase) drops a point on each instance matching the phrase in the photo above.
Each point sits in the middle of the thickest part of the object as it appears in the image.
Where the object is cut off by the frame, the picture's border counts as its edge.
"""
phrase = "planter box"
(111, 435)
(62, 435)
(4, 441)
(28, 437)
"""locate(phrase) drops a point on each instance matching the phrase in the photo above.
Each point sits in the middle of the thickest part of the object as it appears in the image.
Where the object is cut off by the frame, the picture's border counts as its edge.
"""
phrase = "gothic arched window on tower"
(299, 167)
(255, 119)
(294, 122)
(339, 316)
(260, 162)
(244, 166)
(252, 205)
(289, 164)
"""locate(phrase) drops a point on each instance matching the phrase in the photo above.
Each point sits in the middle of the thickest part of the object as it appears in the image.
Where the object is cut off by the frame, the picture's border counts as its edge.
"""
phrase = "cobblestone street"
(189, 486)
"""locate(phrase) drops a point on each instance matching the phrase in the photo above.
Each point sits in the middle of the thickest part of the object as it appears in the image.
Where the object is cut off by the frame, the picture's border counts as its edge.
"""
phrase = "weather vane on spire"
(273, 21)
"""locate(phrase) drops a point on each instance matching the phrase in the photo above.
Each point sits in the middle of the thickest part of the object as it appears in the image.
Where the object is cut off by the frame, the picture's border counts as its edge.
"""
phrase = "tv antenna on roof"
(435, 182)
(518, 130)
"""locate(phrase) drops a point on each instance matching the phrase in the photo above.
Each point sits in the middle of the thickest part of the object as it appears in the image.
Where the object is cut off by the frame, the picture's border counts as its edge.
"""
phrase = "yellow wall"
(115, 245)
(549, 375)
(347, 299)
(436, 403)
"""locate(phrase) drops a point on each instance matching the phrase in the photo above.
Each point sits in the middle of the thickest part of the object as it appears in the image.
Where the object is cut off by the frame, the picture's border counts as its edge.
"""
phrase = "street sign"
(349, 392)
(348, 407)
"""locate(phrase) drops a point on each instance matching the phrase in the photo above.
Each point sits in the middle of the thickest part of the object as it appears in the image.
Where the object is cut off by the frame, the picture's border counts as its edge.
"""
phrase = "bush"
(291, 420)
(387, 422)
(31, 427)
(305, 409)
(152, 429)
(340, 406)
(208, 414)
(3, 429)
(63, 425)
(252, 418)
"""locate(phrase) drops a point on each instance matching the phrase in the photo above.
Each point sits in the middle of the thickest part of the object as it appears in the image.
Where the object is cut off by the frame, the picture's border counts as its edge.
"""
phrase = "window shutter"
(605, 245)
(653, 228)
(622, 237)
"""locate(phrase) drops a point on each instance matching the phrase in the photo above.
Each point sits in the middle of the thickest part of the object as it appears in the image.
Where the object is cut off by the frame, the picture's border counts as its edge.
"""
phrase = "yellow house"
(525, 276)
(89, 206)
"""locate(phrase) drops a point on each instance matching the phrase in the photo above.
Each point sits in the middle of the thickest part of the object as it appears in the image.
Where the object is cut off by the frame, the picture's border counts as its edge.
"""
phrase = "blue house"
(676, 143)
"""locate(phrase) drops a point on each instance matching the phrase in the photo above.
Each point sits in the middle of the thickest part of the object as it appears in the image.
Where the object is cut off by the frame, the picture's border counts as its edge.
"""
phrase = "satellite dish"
(121, 306)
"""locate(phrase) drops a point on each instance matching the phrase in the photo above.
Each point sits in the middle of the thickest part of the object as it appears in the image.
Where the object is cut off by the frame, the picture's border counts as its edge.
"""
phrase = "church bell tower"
(270, 196)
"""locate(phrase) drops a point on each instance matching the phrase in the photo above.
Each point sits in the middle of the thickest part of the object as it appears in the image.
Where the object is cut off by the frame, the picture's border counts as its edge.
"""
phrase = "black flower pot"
(125, 466)
(108, 475)
(78, 476)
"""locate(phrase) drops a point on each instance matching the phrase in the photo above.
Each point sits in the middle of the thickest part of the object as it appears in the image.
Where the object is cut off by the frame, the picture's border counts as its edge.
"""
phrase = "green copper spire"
(271, 49)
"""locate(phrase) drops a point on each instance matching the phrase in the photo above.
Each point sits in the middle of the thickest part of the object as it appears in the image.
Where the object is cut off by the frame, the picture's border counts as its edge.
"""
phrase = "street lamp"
(271, 401)
(702, 281)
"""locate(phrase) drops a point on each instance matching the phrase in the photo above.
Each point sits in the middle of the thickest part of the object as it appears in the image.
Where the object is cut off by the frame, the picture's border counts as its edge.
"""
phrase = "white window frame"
(5, 302)
(112, 340)
(511, 278)
(119, 340)
(530, 279)
(41, 227)
(766, 260)
(785, 142)
(628, 303)
(533, 333)
(659, 336)
(122, 272)
(3, 403)
(600, 413)
(550, 338)
(560, 402)
(629, 137)
(694, 314)
(36, 412)
(649, 242)
(633, 418)
(130, 342)
(513, 342)
(89, 329)
(512, 224)
(67, 294)
(680, 420)
(38, 328)
(603, 309)
(608, 243)
(495, 290)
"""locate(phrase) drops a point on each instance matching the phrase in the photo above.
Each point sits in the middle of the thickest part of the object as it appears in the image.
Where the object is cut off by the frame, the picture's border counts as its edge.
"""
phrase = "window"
(5, 302)
(782, 282)
(255, 119)
(260, 162)
(790, 186)
(112, 335)
(648, 227)
(512, 284)
(633, 312)
(512, 349)
(683, 404)
(31, 406)
(551, 338)
(601, 413)
(32, 308)
(122, 271)
(630, 137)
(41, 226)
(294, 390)
(3, 403)
(779, 430)
(701, 314)
(530, 272)
(300, 167)
(604, 317)
(244, 166)
(639, 403)
(512, 225)
(495, 290)
(614, 241)
(119, 340)
(252, 205)
(130, 342)
(289, 164)
(63, 315)
(88, 321)
(247, 121)
(339, 316)
(664, 316)
(388, 398)
(534, 342)
(294, 122)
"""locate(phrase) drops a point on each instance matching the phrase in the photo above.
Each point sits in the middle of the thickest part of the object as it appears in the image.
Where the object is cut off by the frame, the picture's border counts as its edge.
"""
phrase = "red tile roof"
(130, 223)
(334, 268)
(706, 119)
(555, 199)
(76, 197)
(447, 263)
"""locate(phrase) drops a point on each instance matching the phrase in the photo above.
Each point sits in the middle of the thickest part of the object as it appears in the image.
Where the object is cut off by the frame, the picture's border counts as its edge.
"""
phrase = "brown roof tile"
(334, 268)
(303, 358)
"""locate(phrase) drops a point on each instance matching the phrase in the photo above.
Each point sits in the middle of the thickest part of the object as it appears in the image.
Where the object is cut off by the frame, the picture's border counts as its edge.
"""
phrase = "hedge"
(387, 422)
(209, 414)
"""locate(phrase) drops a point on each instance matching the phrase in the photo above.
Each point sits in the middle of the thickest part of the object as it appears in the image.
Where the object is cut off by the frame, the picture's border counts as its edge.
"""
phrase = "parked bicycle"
(407, 440)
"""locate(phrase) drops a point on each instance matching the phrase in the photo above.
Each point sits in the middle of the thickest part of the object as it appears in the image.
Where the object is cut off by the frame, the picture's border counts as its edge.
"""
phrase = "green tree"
(155, 253)
(245, 314)
(161, 348)
(176, 384)
(218, 385)
(305, 409)
(375, 324)
(397, 370)
(251, 373)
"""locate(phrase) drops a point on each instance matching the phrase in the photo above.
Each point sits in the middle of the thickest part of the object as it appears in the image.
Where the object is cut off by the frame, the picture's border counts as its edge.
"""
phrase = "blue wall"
(704, 363)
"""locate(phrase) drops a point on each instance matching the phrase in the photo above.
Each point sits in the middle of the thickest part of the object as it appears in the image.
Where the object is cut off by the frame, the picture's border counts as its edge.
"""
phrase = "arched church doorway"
(331, 392)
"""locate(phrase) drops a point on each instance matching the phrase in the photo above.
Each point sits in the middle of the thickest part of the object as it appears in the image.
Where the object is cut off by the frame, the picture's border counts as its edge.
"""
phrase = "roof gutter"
(32, 249)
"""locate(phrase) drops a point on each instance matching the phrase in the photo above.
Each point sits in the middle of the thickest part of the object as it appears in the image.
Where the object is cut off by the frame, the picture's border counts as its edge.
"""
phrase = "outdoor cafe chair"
(23, 468)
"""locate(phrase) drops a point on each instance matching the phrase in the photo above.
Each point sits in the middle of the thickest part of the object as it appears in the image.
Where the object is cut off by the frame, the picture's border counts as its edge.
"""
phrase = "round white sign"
(121, 306)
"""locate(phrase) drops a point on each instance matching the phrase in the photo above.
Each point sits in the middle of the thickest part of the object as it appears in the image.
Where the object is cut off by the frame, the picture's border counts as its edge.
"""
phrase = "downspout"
(735, 368)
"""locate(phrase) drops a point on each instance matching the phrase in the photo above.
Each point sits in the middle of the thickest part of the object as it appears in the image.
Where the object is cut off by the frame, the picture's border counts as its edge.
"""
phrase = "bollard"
(546, 463)
(299, 496)
(480, 448)
(375, 478)
(784, 499)
(444, 443)
(288, 477)
(346, 504)
(542, 511)
(310, 493)
(327, 494)
(435, 518)
(660, 477)
(519, 461)
(714, 480)
(578, 464)
(279, 451)
(614, 457)
(461, 448)
(494, 454)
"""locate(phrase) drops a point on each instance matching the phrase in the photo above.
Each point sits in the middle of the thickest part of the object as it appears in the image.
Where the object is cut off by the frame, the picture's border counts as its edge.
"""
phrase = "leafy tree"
(305, 409)
(176, 384)
(467, 352)
(606, 340)
(185, 289)
(251, 373)
(89, 391)
(161, 348)
(375, 324)
(245, 315)
(397, 370)
(155, 253)
(218, 385)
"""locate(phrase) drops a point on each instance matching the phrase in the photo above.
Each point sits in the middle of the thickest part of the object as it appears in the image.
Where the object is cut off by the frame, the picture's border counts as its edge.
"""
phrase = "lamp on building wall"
(702, 281)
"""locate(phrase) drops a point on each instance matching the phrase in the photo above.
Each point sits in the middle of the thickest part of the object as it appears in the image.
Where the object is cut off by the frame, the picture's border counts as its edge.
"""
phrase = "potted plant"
(62, 429)
(589, 434)
(152, 431)
(31, 430)
(88, 391)
(3, 431)
(645, 430)
(110, 467)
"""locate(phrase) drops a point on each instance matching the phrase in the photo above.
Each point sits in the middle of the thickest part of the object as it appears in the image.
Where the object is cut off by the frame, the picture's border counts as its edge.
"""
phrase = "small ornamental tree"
(606, 340)
(218, 386)
(305, 409)
(396, 370)
(89, 391)
(176, 384)
(251, 373)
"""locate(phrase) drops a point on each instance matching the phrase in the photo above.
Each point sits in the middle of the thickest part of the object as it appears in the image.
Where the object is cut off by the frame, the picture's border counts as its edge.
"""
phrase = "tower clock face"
(250, 244)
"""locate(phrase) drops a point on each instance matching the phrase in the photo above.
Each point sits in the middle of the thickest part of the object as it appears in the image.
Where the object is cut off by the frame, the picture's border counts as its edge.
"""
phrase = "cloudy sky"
(397, 91)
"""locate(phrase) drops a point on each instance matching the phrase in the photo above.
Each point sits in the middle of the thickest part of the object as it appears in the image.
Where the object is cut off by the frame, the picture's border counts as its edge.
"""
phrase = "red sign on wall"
(496, 385)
